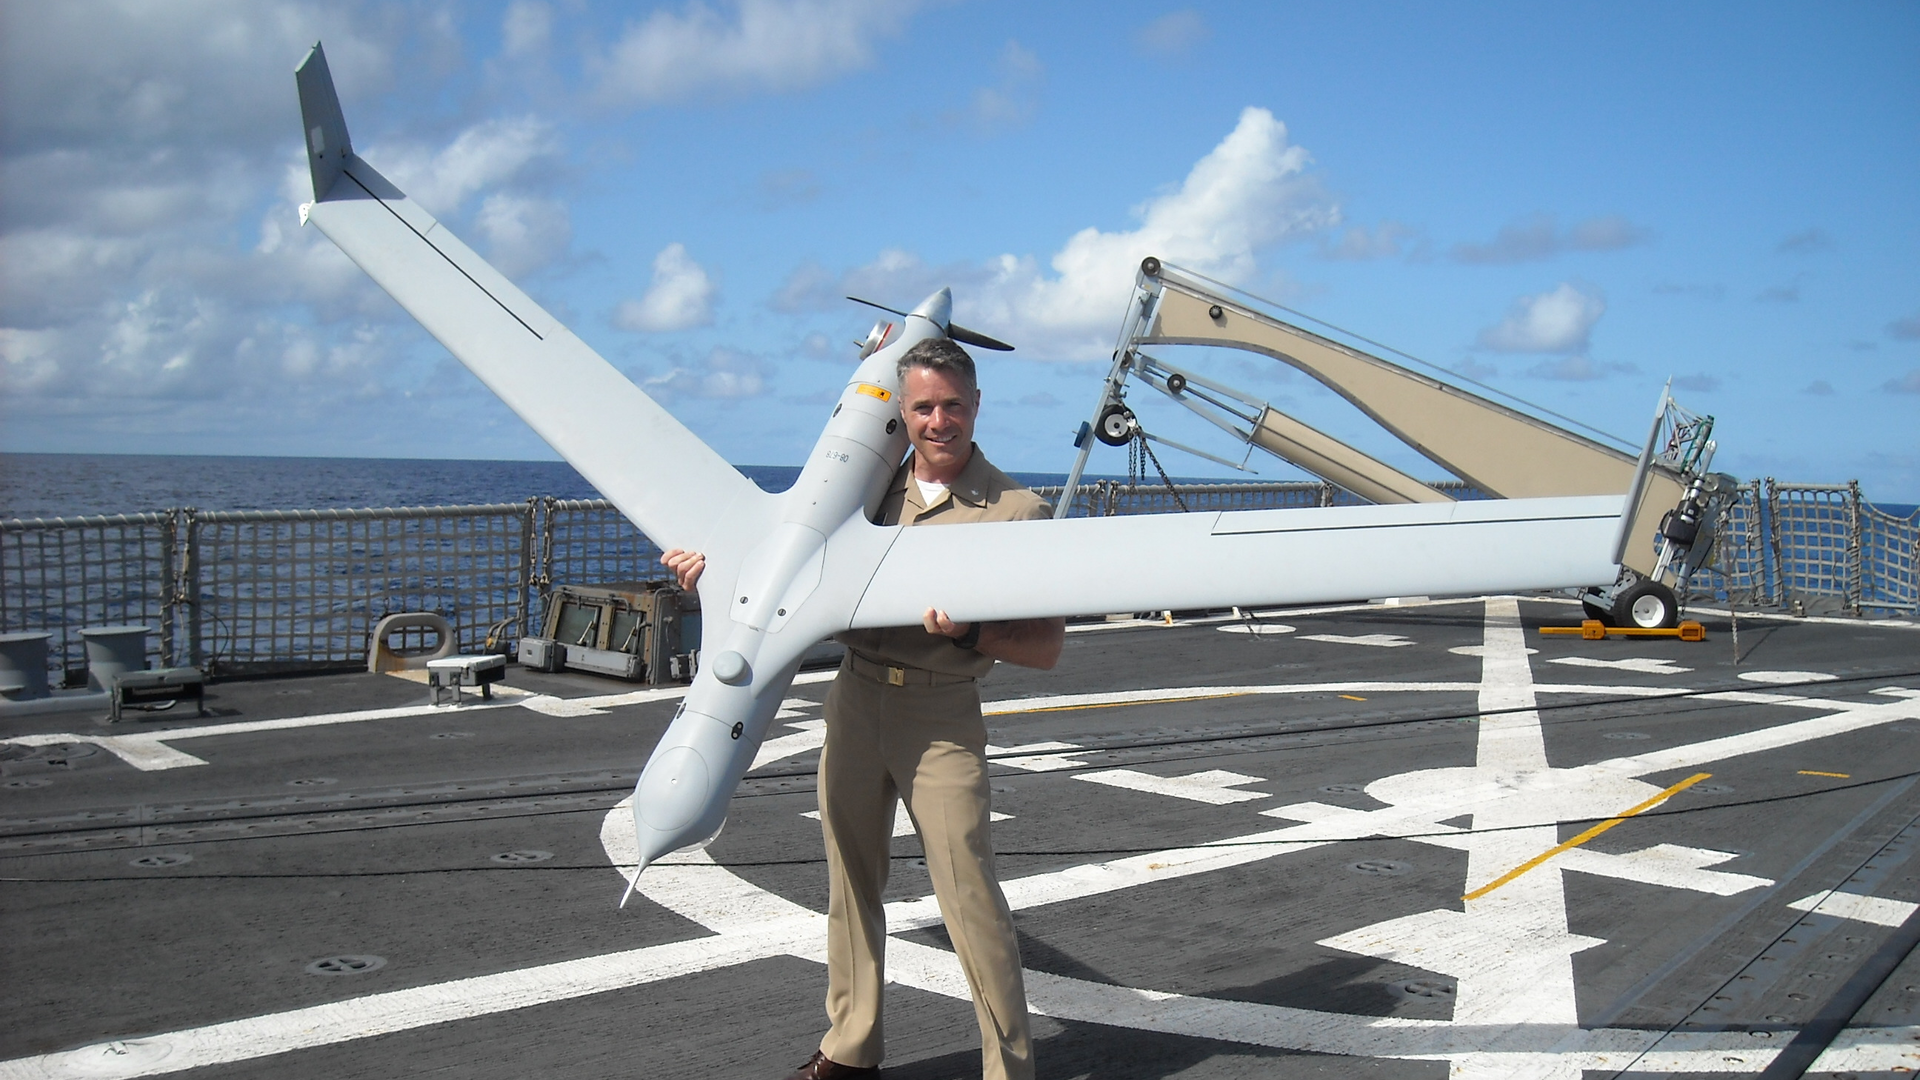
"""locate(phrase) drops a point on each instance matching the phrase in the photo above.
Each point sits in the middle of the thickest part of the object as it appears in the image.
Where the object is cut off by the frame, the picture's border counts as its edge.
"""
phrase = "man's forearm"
(1034, 643)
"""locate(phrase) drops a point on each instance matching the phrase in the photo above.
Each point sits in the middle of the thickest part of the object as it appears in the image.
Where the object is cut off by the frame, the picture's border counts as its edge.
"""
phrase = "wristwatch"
(968, 640)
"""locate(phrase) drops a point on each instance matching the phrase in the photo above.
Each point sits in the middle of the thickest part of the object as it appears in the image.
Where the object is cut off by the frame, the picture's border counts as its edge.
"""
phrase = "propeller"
(954, 330)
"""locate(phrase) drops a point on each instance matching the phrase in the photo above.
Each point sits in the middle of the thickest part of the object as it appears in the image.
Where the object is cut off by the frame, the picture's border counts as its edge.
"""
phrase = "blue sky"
(1572, 202)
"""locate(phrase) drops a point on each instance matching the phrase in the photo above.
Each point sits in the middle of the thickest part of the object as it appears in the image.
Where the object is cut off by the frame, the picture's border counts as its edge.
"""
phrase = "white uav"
(784, 571)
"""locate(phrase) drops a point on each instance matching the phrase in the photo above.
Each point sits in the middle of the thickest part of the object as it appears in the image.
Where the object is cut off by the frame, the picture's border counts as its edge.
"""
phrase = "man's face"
(939, 410)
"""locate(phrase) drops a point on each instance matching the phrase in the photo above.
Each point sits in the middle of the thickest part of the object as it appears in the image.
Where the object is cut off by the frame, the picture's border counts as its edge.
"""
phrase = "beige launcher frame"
(1499, 450)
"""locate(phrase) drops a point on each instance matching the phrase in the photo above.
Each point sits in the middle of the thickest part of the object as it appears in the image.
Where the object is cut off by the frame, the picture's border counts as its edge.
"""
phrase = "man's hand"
(936, 622)
(1034, 643)
(687, 567)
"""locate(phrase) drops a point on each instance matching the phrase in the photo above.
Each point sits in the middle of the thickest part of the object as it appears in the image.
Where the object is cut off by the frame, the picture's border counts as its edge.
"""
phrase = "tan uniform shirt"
(980, 493)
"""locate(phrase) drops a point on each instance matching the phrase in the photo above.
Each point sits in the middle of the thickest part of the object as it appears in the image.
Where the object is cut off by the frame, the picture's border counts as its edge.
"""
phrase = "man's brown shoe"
(819, 1067)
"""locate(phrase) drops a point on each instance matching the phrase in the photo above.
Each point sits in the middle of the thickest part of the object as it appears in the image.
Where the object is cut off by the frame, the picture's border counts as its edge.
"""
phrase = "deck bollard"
(112, 651)
(383, 655)
(23, 665)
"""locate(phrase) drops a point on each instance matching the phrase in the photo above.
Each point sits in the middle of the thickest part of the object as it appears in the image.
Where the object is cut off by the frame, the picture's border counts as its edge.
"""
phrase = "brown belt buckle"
(896, 676)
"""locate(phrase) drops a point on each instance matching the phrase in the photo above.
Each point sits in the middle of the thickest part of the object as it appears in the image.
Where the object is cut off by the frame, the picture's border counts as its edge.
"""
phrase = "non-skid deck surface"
(1415, 841)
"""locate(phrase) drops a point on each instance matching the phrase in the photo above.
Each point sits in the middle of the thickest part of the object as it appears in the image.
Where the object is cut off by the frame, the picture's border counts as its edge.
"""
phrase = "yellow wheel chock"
(1595, 630)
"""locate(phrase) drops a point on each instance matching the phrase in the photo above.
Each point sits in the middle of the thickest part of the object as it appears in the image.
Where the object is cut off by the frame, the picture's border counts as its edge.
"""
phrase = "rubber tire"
(1647, 605)
(1597, 612)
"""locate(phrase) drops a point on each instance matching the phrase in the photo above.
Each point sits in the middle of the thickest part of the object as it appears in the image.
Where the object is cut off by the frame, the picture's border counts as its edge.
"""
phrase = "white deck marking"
(401, 1010)
(1643, 664)
(1892, 1050)
(1669, 865)
(1034, 757)
(1511, 945)
(148, 751)
(1846, 905)
(1378, 641)
(812, 735)
(1785, 676)
(559, 707)
(1214, 786)
(1851, 716)
(1255, 628)
(143, 751)
(1061, 702)
(903, 822)
(1478, 651)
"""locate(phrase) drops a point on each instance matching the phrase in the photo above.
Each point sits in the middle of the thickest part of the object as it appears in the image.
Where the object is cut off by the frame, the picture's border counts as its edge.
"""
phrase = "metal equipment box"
(457, 672)
(540, 654)
(631, 630)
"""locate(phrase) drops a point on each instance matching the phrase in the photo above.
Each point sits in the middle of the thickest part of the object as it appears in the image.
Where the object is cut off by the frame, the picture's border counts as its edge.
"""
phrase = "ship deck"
(1417, 840)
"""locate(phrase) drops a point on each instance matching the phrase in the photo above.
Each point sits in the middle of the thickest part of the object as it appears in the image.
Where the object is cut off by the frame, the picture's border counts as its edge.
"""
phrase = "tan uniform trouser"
(927, 746)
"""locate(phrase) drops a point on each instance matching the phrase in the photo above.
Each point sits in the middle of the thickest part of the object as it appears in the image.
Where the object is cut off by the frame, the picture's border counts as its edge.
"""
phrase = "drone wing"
(672, 485)
(1246, 558)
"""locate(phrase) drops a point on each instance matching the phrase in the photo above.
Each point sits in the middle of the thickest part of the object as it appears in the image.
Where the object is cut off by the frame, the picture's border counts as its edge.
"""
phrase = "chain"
(1138, 454)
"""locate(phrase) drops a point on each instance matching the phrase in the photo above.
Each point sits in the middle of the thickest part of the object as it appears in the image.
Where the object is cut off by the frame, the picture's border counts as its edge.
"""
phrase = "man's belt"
(900, 675)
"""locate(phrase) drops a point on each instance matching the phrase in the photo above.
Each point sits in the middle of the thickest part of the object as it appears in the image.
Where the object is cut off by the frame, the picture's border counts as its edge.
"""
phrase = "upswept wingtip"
(328, 147)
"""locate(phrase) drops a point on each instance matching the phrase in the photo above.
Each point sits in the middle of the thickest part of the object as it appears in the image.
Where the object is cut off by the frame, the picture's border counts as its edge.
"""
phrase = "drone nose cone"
(680, 802)
(936, 309)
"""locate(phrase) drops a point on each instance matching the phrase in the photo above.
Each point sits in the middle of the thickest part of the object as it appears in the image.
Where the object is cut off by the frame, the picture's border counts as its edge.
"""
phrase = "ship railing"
(1812, 549)
(238, 592)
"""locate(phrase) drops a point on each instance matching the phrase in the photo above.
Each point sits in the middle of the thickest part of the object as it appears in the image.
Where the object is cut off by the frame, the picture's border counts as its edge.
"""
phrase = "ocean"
(74, 485)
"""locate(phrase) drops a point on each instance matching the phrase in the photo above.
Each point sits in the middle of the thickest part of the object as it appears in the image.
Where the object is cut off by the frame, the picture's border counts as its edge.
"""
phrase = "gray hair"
(939, 354)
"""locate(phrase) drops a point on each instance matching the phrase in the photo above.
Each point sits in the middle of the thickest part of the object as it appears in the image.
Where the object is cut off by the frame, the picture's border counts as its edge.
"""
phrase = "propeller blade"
(954, 330)
(882, 307)
(976, 338)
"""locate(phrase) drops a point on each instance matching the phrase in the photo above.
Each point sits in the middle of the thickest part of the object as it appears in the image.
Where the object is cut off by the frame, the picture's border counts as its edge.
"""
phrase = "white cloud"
(1249, 193)
(1555, 322)
(523, 233)
(148, 298)
(681, 296)
(727, 374)
(1907, 329)
(1538, 238)
(1904, 384)
(183, 74)
(27, 359)
(757, 45)
(525, 28)
(488, 153)
(1173, 35)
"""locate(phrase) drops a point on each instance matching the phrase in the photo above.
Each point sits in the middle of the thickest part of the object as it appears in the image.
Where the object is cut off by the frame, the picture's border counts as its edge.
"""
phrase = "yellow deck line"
(1835, 775)
(1585, 836)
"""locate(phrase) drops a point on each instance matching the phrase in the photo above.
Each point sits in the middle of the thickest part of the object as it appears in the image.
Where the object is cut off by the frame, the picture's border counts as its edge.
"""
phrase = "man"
(904, 724)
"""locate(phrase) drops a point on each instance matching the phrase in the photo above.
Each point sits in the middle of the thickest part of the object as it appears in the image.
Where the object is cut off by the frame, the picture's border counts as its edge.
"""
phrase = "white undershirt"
(931, 492)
